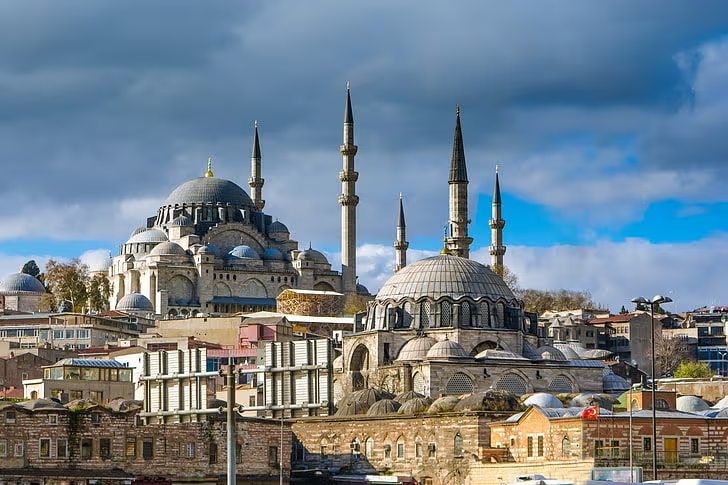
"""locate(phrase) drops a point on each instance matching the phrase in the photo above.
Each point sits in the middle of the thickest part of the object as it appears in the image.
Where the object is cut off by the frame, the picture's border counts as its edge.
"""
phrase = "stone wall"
(711, 390)
(499, 473)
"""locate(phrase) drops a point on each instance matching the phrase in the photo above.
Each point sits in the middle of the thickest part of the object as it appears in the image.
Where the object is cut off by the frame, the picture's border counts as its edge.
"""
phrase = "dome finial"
(209, 168)
(444, 249)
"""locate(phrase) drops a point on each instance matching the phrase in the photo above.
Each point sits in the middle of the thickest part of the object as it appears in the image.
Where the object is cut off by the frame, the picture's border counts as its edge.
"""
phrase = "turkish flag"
(591, 412)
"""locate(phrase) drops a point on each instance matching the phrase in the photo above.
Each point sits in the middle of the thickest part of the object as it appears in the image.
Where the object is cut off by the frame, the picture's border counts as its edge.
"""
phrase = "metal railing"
(665, 460)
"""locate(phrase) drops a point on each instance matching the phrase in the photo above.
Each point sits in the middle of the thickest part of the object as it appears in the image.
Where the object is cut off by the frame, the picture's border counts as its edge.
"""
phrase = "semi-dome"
(21, 283)
(181, 220)
(243, 252)
(416, 349)
(150, 236)
(543, 400)
(691, 404)
(274, 254)
(135, 302)
(447, 349)
(313, 256)
(209, 190)
(168, 248)
(445, 275)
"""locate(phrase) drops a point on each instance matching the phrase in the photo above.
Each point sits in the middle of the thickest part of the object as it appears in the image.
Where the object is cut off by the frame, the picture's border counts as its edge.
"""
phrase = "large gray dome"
(135, 302)
(21, 283)
(445, 275)
(209, 190)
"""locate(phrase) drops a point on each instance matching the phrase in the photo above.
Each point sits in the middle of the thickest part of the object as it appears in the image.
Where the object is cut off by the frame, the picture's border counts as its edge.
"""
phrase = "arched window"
(560, 383)
(566, 446)
(457, 447)
(511, 382)
(501, 315)
(445, 314)
(419, 384)
(459, 384)
(466, 315)
(661, 404)
(635, 404)
(407, 315)
(418, 448)
(485, 320)
(395, 318)
(369, 447)
(425, 314)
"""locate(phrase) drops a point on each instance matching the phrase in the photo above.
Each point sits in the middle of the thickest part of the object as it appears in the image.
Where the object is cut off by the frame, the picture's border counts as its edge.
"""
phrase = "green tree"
(67, 282)
(691, 369)
(540, 301)
(31, 268)
(99, 290)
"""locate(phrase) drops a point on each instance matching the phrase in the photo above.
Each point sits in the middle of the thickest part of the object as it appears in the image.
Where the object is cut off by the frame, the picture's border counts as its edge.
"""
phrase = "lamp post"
(656, 300)
(722, 356)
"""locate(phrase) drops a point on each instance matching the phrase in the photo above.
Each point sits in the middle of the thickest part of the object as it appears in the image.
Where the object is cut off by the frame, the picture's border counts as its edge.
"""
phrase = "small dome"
(148, 236)
(543, 400)
(135, 302)
(445, 275)
(490, 400)
(272, 254)
(529, 351)
(444, 404)
(362, 290)
(368, 396)
(584, 399)
(447, 349)
(406, 396)
(211, 248)
(209, 190)
(351, 408)
(596, 354)
(168, 248)
(691, 404)
(547, 352)
(137, 231)
(243, 252)
(495, 354)
(41, 405)
(418, 405)
(181, 220)
(313, 256)
(722, 404)
(278, 227)
(21, 283)
(612, 382)
(568, 352)
(121, 405)
(383, 407)
(416, 349)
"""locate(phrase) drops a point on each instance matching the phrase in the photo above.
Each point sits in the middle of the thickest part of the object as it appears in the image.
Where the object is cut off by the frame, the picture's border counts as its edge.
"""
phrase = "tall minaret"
(458, 242)
(497, 223)
(255, 182)
(348, 200)
(400, 244)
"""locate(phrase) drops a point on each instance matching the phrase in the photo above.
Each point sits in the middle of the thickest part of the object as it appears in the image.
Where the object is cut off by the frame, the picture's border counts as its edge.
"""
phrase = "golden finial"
(209, 168)
(444, 239)
(496, 168)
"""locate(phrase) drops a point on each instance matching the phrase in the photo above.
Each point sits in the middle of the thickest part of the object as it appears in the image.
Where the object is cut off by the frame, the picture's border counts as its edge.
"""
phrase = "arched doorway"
(359, 367)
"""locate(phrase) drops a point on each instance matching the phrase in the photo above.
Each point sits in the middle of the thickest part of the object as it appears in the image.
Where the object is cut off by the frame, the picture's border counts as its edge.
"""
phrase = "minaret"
(497, 223)
(458, 242)
(348, 200)
(255, 182)
(400, 244)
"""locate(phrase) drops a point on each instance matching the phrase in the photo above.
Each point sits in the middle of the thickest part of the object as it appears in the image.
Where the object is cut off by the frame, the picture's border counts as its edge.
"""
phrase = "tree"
(99, 290)
(691, 369)
(509, 277)
(31, 268)
(670, 352)
(67, 282)
(539, 301)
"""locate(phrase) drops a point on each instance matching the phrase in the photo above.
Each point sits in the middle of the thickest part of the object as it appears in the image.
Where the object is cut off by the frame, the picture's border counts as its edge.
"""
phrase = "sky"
(607, 120)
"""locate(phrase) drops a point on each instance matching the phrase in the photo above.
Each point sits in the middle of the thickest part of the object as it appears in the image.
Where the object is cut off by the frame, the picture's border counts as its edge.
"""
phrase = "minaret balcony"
(497, 223)
(350, 176)
(347, 200)
(256, 182)
(401, 245)
(496, 250)
(348, 150)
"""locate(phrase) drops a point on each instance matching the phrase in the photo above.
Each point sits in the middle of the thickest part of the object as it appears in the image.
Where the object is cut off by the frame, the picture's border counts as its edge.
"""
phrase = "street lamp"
(656, 300)
(722, 356)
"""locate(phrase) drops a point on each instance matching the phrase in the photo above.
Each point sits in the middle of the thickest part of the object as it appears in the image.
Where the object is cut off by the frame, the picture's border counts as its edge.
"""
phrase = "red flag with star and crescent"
(591, 412)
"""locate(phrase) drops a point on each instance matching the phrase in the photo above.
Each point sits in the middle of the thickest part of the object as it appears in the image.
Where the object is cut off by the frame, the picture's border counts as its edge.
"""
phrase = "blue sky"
(607, 120)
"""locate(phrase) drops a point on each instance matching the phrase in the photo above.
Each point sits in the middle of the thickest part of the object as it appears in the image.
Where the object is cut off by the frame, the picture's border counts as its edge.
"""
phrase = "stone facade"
(56, 441)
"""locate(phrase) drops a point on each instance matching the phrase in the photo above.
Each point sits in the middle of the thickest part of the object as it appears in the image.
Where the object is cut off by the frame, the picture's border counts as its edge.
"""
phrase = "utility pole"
(231, 463)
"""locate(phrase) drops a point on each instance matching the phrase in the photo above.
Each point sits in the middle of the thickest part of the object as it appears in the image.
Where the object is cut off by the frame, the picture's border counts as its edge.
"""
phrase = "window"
(62, 448)
(52, 419)
(529, 447)
(694, 446)
(95, 418)
(273, 456)
(96, 396)
(44, 450)
(599, 448)
(105, 448)
(192, 448)
(511, 382)
(3, 449)
(418, 450)
(369, 447)
(147, 450)
(458, 446)
(539, 450)
(432, 450)
(387, 451)
(459, 384)
(614, 449)
(130, 448)
(19, 449)
(251, 401)
(213, 453)
(400, 451)
(661, 404)
(10, 417)
(566, 446)
(86, 448)
(73, 395)
(647, 444)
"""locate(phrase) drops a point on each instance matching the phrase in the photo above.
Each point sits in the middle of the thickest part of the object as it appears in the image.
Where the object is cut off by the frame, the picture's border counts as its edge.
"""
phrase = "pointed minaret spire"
(209, 173)
(348, 200)
(458, 242)
(496, 223)
(400, 244)
(255, 182)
